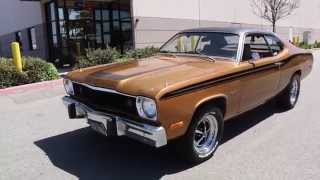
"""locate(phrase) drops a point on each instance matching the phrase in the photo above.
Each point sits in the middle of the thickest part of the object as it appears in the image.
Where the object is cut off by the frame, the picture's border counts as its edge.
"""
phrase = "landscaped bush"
(316, 44)
(305, 46)
(141, 53)
(308, 46)
(95, 57)
(39, 70)
(9, 76)
(34, 70)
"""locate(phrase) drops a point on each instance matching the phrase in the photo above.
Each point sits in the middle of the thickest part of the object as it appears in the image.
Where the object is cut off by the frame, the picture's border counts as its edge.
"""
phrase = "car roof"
(232, 30)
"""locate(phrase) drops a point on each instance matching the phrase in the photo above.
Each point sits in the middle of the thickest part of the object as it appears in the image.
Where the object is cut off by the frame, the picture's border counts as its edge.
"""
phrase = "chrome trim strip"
(103, 89)
(243, 39)
(240, 47)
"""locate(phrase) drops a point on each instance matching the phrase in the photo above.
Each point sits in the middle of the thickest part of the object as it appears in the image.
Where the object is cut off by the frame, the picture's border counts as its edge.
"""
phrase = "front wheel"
(203, 136)
(289, 97)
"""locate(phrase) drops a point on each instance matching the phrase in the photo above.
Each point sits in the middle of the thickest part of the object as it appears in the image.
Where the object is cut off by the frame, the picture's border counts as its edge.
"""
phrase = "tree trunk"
(274, 27)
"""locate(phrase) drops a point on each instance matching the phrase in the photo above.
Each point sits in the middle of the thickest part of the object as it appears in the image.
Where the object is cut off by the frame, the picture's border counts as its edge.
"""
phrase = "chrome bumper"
(151, 135)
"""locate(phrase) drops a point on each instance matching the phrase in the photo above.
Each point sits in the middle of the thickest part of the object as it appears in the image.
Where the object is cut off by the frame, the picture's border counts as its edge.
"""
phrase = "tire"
(289, 97)
(191, 147)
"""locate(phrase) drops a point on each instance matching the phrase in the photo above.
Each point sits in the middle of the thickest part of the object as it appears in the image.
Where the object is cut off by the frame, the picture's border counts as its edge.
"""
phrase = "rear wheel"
(203, 136)
(289, 97)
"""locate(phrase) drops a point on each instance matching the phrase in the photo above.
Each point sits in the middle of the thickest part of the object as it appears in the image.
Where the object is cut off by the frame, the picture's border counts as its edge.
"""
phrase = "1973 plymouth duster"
(199, 79)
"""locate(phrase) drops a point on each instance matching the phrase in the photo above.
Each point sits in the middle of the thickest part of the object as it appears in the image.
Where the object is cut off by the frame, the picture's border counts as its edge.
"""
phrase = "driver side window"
(255, 48)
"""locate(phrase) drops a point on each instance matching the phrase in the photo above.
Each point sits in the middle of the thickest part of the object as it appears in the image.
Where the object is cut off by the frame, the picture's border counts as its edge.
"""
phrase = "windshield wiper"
(168, 53)
(204, 55)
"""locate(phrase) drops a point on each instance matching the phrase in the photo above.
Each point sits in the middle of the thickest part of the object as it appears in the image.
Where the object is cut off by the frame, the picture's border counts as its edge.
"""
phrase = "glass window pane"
(54, 28)
(106, 27)
(18, 39)
(126, 26)
(98, 39)
(105, 15)
(257, 47)
(33, 39)
(55, 41)
(211, 44)
(74, 14)
(116, 26)
(52, 11)
(18, 36)
(107, 39)
(274, 43)
(62, 27)
(98, 29)
(98, 14)
(124, 15)
(61, 14)
(64, 40)
(115, 14)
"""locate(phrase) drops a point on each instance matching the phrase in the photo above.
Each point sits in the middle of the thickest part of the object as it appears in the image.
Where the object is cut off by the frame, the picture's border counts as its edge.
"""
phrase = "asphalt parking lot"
(38, 141)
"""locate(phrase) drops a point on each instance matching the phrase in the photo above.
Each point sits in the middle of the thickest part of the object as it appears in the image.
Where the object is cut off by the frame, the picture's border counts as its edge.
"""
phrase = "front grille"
(106, 101)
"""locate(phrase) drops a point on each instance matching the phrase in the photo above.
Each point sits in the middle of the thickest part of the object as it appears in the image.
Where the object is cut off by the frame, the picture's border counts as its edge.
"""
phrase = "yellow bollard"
(15, 48)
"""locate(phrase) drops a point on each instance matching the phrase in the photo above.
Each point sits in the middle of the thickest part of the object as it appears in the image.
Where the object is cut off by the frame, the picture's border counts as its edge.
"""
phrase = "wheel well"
(219, 102)
(297, 72)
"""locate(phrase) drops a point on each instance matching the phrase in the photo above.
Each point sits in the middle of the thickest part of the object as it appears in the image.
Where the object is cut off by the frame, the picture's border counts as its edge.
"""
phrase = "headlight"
(146, 108)
(68, 86)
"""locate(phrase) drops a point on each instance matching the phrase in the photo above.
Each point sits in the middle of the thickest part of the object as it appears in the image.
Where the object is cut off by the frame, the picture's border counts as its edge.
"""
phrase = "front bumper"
(151, 135)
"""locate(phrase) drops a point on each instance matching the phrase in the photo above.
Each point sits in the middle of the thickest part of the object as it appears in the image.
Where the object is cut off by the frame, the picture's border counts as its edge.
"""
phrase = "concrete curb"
(31, 87)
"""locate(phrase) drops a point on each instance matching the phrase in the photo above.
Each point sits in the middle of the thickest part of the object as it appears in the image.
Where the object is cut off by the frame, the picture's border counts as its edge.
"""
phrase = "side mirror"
(252, 61)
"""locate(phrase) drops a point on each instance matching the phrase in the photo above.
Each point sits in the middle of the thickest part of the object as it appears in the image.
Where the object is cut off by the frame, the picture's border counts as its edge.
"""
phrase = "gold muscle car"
(199, 79)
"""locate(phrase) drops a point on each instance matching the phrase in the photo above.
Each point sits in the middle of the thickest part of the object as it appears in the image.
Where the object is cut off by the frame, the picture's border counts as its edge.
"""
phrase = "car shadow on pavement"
(87, 155)
(243, 122)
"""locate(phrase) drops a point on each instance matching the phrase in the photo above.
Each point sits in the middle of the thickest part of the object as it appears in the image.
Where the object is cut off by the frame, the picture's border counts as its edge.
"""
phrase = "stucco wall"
(16, 15)
(160, 19)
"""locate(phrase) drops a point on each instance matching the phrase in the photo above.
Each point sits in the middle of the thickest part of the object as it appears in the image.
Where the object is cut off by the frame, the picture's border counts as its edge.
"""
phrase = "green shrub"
(9, 76)
(39, 70)
(95, 57)
(34, 70)
(316, 44)
(305, 46)
(141, 53)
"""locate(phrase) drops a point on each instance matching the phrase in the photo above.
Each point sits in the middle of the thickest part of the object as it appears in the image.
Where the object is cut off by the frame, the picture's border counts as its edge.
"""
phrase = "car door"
(262, 74)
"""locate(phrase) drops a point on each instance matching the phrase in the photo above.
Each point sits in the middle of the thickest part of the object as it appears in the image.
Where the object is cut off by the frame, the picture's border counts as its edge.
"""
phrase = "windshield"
(205, 43)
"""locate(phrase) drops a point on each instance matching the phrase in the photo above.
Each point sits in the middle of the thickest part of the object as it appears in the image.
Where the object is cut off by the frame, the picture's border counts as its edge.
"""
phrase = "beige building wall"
(17, 14)
(156, 20)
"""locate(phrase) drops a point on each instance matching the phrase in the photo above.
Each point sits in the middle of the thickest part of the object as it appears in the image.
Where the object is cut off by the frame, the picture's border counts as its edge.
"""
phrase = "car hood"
(152, 76)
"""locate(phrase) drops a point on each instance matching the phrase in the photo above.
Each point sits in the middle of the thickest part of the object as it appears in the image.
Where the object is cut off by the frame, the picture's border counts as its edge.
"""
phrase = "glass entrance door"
(103, 29)
(74, 27)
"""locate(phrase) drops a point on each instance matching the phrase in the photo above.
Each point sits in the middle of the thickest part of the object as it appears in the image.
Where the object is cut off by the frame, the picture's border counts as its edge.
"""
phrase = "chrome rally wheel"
(294, 91)
(290, 95)
(205, 136)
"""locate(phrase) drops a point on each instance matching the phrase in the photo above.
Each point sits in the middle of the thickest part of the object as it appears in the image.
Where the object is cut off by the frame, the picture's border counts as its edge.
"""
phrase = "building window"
(32, 39)
(18, 39)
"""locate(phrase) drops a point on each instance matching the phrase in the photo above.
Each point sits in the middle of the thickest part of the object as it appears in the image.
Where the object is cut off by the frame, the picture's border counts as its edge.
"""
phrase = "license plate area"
(98, 127)
(103, 124)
